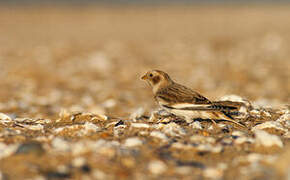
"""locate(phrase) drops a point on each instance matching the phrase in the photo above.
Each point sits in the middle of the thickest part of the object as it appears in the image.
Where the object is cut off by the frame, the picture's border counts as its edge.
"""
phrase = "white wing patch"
(189, 105)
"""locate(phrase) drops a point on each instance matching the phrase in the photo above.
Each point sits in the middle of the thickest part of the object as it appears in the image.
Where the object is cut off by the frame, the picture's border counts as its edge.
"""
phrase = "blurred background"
(62, 57)
(89, 55)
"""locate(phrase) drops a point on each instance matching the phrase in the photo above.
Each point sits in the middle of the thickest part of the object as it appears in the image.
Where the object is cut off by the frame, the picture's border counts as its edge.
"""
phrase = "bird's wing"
(180, 97)
(228, 109)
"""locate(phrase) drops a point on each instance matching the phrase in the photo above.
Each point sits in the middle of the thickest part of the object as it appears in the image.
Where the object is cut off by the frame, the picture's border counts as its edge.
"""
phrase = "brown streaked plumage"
(184, 102)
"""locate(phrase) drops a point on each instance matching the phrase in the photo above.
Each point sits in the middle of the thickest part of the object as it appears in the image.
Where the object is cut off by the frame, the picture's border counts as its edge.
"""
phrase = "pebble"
(254, 158)
(133, 142)
(99, 174)
(96, 116)
(255, 113)
(159, 135)
(37, 127)
(62, 169)
(128, 162)
(285, 119)
(183, 170)
(60, 145)
(266, 103)
(42, 139)
(187, 163)
(267, 140)
(163, 112)
(179, 145)
(61, 173)
(287, 135)
(196, 125)
(140, 125)
(5, 117)
(213, 173)
(157, 167)
(235, 98)
(265, 113)
(91, 127)
(242, 140)
(78, 162)
(217, 149)
(137, 113)
(36, 178)
(227, 141)
(99, 146)
(64, 114)
(9, 132)
(108, 152)
(209, 148)
(261, 103)
(164, 120)
(23, 120)
(222, 166)
(210, 127)
(221, 125)
(43, 121)
(153, 117)
(119, 130)
(202, 139)
(269, 124)
(80, 148)
(287, 124)
(238, 133)
(120, 122)
(116, 124)
(143, 133)
(173, 129)
(66, 128)
(158, 126)
(30, 147)
(7, 150)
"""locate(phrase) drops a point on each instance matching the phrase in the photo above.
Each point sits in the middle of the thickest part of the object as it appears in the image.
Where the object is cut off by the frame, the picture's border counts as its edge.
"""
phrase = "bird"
(184, 102)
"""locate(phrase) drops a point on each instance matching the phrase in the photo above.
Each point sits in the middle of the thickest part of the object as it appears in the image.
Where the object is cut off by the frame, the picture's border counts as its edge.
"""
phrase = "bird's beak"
(144, 77)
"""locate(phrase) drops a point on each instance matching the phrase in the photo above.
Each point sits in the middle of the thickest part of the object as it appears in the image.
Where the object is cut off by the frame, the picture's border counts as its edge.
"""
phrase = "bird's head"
(157, 79)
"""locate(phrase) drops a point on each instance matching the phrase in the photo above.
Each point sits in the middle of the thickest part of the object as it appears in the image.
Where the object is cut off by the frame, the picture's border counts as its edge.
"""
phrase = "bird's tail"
(232, 111)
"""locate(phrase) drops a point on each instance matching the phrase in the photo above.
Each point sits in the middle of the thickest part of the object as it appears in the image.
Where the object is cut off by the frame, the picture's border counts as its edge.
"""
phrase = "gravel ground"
(73, 106)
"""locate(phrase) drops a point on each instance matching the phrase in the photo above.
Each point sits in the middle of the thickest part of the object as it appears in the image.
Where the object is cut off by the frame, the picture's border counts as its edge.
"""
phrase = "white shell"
(235, 98)
(267, 140)
(5, 117)
(133, 142)
(196, 125)
(159, 135)
(270, 124)
(140, 125)
(157, 167)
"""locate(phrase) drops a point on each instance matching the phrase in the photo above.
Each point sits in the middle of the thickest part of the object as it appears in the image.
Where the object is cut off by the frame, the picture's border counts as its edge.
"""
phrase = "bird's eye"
(150, 75)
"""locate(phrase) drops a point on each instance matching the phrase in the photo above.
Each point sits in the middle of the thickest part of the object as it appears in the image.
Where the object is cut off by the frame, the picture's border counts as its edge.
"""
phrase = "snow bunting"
(184, 102)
